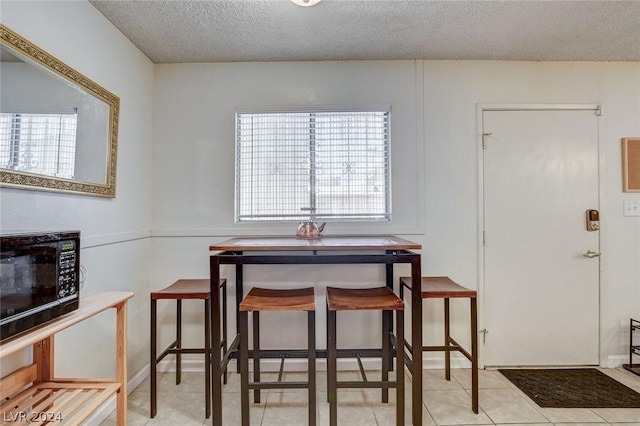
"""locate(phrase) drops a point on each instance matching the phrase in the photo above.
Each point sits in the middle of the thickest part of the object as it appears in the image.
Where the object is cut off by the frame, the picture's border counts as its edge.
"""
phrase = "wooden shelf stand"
(33, 395)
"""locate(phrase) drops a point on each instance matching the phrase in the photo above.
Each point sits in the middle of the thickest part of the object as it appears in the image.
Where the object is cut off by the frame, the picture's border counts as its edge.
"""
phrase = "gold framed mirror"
(58, 128)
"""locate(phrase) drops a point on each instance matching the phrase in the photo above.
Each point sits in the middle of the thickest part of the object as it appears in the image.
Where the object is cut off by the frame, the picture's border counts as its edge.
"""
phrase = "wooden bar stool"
(378, 299)
(183, 289)
(261, 299)
(445, 288)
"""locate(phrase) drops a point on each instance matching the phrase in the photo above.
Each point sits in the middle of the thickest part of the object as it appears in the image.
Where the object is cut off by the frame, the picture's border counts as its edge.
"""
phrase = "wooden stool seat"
(445, 288)
(440, 288)
(265, 299)
(185, 289)
(372, 299)
(362, 299)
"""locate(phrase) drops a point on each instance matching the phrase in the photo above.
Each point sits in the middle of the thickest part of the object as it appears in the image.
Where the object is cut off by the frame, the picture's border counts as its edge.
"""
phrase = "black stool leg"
(207, 357)
(178, 341)
(225, 345)
(311, 337)
(400, 367)
(153, 360)
(256, 354)
(474, 355)
(326, 327)
(243, 319)
(386, 351)
(332, 374)
(447, 342)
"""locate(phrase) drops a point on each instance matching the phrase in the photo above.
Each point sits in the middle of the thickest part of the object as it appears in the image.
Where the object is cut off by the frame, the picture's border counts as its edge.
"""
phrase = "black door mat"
(572, 388)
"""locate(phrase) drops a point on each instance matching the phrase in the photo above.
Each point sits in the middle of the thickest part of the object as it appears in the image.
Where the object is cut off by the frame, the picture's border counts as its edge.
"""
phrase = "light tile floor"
(444, 403)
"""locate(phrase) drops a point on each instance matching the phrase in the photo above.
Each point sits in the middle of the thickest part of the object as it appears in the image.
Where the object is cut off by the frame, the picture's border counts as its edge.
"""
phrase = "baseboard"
(615, 361)
(437, 362)
(109, 407)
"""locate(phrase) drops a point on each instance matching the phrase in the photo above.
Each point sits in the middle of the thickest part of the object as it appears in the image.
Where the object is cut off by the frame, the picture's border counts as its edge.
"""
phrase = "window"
(38, 143)
(322, 165)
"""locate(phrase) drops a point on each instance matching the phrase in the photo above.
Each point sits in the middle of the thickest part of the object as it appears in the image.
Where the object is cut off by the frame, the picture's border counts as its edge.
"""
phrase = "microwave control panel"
(67, 270)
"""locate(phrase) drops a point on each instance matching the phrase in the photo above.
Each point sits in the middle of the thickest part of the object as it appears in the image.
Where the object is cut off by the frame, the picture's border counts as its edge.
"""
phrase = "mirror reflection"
(58, 129)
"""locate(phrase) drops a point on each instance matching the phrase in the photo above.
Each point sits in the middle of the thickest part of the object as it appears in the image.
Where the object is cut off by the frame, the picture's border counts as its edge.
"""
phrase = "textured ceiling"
(278, 30)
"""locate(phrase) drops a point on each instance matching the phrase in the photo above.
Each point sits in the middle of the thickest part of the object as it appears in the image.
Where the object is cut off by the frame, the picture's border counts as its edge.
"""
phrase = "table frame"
(228, 253)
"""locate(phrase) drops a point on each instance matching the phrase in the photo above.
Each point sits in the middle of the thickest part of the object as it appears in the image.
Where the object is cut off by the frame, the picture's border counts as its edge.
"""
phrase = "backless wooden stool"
(182, 290)
(378, 299)
(261, 299)
(445, 288)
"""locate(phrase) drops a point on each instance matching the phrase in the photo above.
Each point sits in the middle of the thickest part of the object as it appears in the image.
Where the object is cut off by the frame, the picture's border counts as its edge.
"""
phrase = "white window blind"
(320, 165)
(39, 143)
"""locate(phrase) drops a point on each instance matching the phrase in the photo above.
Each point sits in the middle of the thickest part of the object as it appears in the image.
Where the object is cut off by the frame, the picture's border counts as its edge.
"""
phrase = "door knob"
(591, 254)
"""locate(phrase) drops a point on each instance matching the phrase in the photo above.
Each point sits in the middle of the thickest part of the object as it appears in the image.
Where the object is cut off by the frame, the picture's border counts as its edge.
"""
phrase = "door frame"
(480, 109)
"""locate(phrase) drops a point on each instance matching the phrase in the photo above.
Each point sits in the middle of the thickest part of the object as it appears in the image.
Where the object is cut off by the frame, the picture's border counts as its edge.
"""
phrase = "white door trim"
(480, 109)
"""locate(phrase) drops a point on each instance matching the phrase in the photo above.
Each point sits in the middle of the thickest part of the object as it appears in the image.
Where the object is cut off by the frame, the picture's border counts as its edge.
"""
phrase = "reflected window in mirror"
(39, 143)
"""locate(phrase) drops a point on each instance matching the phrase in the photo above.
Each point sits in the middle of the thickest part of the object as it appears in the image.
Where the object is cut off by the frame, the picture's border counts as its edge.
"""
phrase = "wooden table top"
(378, 242)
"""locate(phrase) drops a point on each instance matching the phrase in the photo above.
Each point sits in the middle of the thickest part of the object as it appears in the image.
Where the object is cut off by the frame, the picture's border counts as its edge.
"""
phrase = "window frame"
(386, 109)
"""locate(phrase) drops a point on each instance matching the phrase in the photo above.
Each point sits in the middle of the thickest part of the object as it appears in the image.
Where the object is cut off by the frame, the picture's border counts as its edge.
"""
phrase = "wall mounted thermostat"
(593, 220)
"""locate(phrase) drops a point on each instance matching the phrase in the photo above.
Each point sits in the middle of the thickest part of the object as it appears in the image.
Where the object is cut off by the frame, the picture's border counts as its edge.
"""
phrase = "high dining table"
(328, 250)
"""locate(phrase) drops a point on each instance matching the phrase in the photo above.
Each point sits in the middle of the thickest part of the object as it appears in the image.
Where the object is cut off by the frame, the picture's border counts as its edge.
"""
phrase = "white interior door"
(541, 293)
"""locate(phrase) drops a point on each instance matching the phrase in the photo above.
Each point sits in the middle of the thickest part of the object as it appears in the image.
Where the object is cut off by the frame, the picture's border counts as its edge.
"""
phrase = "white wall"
(434, 160)
(115, 232)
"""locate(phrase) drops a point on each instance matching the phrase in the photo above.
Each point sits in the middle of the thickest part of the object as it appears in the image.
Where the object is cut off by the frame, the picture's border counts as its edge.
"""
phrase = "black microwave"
(39, 278)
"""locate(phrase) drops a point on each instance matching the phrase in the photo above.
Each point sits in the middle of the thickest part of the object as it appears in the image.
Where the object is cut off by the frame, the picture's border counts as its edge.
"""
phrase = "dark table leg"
(416, 341)
(216, 373)
(239, 296)
(153, 362)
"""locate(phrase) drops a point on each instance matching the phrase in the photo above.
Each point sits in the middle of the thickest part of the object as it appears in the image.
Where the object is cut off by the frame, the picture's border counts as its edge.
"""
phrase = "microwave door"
(28, 279)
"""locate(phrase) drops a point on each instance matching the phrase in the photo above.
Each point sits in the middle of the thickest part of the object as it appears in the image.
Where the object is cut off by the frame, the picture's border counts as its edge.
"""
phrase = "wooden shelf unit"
(33, 395)
(634, 348)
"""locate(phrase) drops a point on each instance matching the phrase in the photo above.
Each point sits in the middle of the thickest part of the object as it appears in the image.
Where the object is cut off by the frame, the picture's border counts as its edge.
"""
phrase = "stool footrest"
(166, 351)
(233, 348)
(462, 350)
(281, 372)
(369, 384)
(186, 351)
(455, 347)
(408, 361)
(394, 342)
(451, 348)
(362, 372)
(278, 385)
